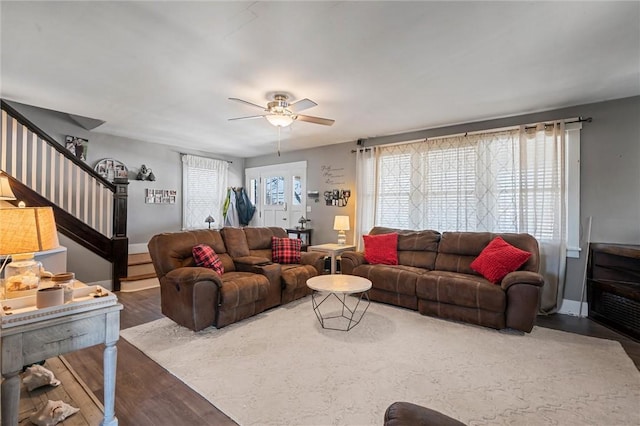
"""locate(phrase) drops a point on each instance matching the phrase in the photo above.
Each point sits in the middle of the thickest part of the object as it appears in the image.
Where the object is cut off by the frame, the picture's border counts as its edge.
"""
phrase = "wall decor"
(337, 197)
(160, 196)
(332, 176)
(145, 173)
(77, 146)
(110, 169)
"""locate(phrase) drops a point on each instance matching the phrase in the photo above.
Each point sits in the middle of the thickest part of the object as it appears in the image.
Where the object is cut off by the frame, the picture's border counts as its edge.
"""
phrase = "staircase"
(88, 209)
(140, 274)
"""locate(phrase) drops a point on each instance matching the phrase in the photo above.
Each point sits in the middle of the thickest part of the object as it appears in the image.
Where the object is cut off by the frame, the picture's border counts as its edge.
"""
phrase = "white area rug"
(281, 367)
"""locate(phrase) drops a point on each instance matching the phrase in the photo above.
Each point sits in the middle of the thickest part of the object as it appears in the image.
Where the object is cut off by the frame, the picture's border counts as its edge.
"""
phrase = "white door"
(279, 193)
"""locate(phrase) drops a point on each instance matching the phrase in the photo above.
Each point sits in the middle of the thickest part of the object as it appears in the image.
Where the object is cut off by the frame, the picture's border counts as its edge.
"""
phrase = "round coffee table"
(337, 286)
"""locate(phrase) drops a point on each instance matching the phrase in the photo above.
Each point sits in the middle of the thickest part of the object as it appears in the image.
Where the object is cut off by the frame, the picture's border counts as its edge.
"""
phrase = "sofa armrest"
(273, 272)
(522, 277)
(349, 260)
(190, 296)
(313, 258)
(190, 275)
(524, 290)
(245, 263)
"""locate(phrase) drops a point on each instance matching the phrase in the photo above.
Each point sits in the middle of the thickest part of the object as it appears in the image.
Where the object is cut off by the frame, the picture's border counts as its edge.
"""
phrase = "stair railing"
(38, 162)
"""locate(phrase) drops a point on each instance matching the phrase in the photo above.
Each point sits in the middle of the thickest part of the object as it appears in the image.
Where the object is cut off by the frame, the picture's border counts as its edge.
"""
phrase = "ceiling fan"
(281, 113)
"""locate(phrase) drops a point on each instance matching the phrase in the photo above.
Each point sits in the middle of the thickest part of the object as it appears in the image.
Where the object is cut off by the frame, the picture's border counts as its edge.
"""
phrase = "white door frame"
(288, 215)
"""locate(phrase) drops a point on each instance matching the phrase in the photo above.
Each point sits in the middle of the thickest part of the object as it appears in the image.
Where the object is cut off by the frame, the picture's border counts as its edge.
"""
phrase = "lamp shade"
(5, 190)
(279, 120)
(27, 230)
(341, 223)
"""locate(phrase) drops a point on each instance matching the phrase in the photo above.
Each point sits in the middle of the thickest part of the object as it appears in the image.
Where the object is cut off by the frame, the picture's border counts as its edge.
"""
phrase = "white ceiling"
(163, 71)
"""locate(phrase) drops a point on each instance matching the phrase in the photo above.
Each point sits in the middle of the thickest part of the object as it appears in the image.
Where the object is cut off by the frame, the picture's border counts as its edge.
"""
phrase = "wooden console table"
(30, 335)
(613, 284)
(306, 232)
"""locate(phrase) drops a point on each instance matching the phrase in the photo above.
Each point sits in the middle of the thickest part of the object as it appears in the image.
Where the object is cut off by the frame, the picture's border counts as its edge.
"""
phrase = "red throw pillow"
(285, 250)
(206, 257)
(381, 249)
(498, 259)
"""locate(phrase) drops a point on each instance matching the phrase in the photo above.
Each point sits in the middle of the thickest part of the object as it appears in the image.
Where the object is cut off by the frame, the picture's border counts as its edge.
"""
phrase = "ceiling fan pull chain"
(279, 141)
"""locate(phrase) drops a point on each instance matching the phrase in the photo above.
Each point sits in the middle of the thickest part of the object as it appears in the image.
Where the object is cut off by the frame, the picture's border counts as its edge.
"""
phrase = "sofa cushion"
(235, 242)
(204, 256)
(296, 276)
(498, 259)
(381, 249)
(286, 250)
(453, 288)
(415, 248)
(395, 278)
(241, 288)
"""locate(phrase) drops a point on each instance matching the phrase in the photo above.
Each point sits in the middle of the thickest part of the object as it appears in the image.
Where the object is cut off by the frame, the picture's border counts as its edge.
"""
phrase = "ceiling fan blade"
(248, 103)
(316, 120)
(251, 117)
(302, 104)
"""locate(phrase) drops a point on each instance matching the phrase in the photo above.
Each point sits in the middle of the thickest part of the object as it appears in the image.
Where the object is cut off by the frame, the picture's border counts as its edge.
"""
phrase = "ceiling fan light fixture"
(279, 120)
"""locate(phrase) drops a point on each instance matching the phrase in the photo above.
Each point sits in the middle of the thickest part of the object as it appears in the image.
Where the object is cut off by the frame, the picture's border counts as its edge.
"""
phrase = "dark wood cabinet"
(613, 286)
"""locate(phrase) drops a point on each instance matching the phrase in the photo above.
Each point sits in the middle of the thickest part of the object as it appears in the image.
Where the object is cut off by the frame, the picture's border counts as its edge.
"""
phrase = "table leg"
(110, 359)
(333, 264)
(10, 398)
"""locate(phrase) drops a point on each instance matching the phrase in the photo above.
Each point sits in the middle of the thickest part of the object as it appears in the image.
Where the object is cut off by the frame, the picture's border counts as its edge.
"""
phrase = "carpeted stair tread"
(139, 259)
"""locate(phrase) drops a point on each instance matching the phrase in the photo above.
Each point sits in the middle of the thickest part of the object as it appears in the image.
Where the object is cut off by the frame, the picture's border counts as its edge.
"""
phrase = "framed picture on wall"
(110, 169)
(77, 146)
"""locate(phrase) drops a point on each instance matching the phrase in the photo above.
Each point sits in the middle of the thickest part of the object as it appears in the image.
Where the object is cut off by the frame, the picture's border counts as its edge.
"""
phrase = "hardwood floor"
(146, 394)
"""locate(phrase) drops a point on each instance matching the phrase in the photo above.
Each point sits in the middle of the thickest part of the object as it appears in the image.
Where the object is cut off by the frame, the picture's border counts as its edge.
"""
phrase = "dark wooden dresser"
(613, 286)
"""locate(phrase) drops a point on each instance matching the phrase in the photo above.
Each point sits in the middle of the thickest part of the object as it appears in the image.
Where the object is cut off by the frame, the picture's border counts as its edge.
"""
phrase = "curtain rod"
(211, 158)
(575, 120)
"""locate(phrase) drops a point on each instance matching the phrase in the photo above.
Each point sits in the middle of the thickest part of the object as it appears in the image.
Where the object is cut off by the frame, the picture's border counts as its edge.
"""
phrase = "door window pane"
(296, 198)
(274, 190)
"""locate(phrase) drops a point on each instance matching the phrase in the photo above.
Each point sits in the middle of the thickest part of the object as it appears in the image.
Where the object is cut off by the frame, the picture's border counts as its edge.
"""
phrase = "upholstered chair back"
(457, 250)
(415, 248)
(169, 251)
(259, 240)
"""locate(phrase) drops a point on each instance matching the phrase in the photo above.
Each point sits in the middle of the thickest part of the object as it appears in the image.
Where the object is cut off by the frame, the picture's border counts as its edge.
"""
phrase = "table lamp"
(209, 220)
(24, 231)
(341, 224)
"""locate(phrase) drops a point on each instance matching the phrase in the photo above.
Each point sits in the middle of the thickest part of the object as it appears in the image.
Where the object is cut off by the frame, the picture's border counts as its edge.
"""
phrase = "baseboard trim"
(138, 248)
(572, 307)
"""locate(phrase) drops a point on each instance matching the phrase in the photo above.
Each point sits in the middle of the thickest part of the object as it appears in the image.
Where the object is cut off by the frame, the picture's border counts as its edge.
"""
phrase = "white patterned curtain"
(507, 181)
(204, 184)
(365, 195)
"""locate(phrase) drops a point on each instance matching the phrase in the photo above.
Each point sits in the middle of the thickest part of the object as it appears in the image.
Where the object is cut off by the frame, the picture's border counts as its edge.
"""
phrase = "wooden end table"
(333, 250)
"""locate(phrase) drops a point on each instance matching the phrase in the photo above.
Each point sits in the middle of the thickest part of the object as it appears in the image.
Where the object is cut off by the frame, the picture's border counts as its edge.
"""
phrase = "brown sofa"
(434, 277)
(197, 297)
(407, 414)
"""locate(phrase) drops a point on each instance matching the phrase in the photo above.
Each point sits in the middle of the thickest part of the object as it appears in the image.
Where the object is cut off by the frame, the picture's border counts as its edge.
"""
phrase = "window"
(503, 181)
(204, 182)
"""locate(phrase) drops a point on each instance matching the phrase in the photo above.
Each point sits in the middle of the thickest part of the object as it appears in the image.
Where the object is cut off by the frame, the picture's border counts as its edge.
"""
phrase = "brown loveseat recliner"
(434, 276)
(198, 297)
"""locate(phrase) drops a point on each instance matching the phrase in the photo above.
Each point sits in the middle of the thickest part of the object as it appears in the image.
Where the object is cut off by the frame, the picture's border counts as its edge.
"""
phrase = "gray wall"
(610, 176)
(609, 173)
(143, 220)
(343, 176)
